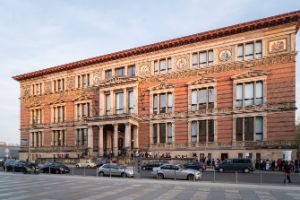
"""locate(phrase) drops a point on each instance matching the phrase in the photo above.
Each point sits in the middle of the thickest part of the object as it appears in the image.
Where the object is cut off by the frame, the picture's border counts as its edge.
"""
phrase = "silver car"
(115, 170)
(176, 172)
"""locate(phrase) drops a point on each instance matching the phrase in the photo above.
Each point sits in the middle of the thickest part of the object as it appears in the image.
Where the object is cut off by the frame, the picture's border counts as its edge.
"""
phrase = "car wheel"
(101, 174)
(123, 175)
(144, 168)
(190, 177)
(246, 170)
(221, 170)
(160, 176)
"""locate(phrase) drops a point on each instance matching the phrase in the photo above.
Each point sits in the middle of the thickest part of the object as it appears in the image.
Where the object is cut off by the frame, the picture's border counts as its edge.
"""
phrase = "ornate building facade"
(223, 93)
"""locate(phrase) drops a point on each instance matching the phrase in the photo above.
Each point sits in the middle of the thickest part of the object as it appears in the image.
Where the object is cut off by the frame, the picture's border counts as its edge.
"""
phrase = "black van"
(236, 165)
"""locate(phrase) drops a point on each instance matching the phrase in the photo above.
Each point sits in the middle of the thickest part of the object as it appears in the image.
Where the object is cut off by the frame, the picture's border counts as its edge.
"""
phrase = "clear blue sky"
(38, 34)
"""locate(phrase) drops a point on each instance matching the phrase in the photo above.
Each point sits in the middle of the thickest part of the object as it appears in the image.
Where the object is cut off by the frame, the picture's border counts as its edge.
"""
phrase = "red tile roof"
(292, 17)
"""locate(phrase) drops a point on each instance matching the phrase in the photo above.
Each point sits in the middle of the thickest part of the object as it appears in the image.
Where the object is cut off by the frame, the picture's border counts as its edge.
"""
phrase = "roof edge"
(286, 18)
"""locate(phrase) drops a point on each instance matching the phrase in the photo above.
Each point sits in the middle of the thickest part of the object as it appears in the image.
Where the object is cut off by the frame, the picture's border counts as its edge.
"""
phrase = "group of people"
(272, 165)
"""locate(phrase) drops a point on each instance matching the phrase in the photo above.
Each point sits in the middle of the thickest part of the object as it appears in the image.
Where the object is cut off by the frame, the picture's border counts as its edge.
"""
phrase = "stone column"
(100, 141)
(128, 138)
(136, 137)
(115, 140)
(90, 140)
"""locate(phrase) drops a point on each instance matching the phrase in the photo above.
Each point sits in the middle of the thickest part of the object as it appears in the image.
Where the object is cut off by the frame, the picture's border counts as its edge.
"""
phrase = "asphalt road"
(16, 186)
(256, 177)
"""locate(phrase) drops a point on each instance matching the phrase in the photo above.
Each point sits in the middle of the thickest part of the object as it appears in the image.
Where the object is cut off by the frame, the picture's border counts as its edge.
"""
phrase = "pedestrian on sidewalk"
(287, 171)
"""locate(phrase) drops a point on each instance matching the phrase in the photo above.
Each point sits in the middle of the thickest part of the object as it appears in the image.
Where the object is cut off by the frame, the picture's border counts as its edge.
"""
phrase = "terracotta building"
(223, 93)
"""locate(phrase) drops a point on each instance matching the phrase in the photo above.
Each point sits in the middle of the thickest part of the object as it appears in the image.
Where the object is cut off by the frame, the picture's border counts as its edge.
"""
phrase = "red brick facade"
(95, 130)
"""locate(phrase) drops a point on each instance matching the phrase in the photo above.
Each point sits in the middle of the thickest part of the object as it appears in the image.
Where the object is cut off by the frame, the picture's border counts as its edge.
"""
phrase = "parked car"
(54, 168)
(200, 166)
(7, 163)
(21, 166)
(114, 169)
(151, 165)
(236, 165)
(176, 172)
(105, 161)
(87, 164)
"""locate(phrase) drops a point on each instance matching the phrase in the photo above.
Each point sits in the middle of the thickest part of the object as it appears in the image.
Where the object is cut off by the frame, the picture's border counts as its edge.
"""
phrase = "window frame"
(158, 68)
(200, 63)
(256, 54)
(242, 121)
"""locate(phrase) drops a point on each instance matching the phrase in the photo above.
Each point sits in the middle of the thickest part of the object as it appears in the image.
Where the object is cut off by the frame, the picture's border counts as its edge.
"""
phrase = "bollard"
(97, 172)
(194, 176)
(49, 170)
(175, 175)
(83, 171)
(110, 172)
(236, 177)
(260, 177)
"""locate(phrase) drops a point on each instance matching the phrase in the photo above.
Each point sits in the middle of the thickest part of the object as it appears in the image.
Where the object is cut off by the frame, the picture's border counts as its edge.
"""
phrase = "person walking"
(287, 171)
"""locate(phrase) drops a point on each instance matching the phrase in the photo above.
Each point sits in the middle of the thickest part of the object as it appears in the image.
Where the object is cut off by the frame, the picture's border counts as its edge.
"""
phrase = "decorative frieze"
(266, 61)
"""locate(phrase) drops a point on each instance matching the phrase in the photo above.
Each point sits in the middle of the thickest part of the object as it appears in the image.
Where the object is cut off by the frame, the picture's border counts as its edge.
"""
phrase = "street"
(256, 177)
(16, 186)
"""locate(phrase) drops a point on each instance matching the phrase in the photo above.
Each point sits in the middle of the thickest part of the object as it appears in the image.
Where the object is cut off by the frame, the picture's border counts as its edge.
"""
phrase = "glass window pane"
(241, 52)
(202, 96)
(107, 102)
(154, 133)
(195, 59)
(131, 70)
(259, 92)
(249, 51)
(162, 66)
(249, 128)
(249, 92)
(162, 133)
(203, 59)
(210, 57)
(194, 131)
(131, 101)
(259, 125)
(258, 49)
(211, 95)
(202, 131)
(119, 102)
(170, 102)
(239, 95)
(169, 65)
(155, 67)
(162, 103)
(239, 129)
(155, 103)
(170, 133)
(211, 130)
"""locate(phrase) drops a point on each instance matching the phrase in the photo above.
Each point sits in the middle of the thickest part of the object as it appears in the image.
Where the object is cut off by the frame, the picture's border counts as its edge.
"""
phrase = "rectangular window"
(162, 133)
(259, 93)
(155, 67)
(131, 71)
(154, 133)
(162, 66)
(107, 103)
(211, 96)
(259, 129)
(131, 100)
(247, 96)
(258, 49)
(203, 59)
(162, 104)
(169, 65)
(249, 50)
(202, 131)
(239, 129)
(194, 100)
(202, 97)
(195, 60)
(194, 132)
(108, 73)
(170, 133)
(211, 130)
(155, 103)
(240, 55)
(120, 71)
(170, 102)
(119, 103)
(210, 57)
(249, 128)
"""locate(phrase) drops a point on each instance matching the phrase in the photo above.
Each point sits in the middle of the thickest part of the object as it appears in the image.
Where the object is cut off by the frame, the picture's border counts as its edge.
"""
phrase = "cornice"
(287, 18)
